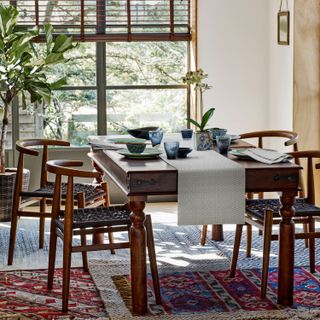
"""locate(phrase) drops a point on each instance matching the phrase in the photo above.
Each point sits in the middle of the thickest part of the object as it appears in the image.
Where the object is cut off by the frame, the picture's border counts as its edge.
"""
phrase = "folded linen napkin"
(103, 143)
(267, 156)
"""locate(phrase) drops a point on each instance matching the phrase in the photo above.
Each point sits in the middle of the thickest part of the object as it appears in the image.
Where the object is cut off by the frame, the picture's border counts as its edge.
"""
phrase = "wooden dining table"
(138, 179)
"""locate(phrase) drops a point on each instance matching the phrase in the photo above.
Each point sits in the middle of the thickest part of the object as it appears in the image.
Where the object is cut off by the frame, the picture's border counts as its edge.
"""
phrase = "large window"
(111, 86)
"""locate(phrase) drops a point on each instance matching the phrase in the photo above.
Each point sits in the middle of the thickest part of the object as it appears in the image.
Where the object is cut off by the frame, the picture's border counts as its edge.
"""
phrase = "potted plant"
(203, 139)
(22, 73)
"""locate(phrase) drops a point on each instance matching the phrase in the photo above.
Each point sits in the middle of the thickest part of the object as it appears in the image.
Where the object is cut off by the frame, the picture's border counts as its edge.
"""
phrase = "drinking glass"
(156, 137)
(223, 143)
(171, 148)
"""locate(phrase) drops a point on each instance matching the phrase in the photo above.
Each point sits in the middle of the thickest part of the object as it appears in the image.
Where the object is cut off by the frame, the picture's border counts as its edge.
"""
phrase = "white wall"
(251, 75)
(281, 73)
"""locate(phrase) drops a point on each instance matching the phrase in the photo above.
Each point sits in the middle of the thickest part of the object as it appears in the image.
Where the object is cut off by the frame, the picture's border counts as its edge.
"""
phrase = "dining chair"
(289, 138)
(264, 213)
(85, 194)
(71, 222)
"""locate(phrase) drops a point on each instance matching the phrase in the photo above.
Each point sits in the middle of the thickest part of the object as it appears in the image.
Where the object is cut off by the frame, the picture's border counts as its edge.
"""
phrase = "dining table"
(138, 179)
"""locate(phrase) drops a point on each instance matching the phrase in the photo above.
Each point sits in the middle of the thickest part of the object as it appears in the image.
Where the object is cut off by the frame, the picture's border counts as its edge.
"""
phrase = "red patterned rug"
(24, 292)
(216, 295)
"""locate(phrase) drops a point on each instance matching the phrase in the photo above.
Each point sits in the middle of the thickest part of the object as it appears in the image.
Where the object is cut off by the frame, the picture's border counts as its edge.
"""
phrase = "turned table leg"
(217, 232)
(286, 249)
(138, 256)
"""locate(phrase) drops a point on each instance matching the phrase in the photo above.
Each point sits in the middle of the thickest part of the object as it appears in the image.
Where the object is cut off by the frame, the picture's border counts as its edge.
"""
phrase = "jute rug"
(203, 295)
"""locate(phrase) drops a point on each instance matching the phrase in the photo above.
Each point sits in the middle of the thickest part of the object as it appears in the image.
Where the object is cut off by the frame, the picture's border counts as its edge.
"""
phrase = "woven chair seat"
(257, 208)
(98, 217)
(91, 191)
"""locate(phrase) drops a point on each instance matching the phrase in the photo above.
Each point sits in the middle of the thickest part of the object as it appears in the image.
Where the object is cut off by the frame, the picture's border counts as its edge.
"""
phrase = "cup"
(171, 148)
(186, 133)
(223, 143)
(156, 136)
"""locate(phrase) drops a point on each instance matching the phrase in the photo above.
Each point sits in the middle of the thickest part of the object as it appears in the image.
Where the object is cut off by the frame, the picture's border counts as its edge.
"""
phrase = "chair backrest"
(25, 147)
(310, 156)
(260, 135)
(62, 168)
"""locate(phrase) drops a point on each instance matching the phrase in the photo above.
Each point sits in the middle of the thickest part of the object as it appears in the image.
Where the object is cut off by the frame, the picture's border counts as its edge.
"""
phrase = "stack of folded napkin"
(267, 156)
(101, 143)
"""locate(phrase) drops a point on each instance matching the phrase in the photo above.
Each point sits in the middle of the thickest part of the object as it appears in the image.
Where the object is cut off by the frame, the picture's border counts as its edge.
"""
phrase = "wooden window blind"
(110, 20)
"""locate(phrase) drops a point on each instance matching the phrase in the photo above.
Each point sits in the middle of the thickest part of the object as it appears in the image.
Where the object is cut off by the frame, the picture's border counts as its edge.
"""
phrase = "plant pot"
(202, 141)
(7, 181)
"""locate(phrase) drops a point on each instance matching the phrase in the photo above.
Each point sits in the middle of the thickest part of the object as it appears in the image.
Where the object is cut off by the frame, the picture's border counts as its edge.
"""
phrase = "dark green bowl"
(136, 147)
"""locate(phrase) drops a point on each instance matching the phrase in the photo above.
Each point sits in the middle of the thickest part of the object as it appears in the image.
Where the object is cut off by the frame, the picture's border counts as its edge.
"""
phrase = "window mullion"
(101, 88)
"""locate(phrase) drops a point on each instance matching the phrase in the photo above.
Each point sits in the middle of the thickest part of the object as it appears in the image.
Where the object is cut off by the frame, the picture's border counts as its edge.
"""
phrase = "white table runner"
(211, 189)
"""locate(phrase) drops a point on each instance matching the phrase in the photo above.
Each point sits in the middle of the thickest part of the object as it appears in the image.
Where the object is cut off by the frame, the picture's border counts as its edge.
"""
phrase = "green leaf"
(48, 29)
(195, 123)
(54, 58)
(206, 117)
(8, 19)
(58, 84)
(62, 43)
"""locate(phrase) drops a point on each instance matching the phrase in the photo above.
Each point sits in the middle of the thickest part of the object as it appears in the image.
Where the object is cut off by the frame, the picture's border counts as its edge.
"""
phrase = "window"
(130, 78)
(141, 86)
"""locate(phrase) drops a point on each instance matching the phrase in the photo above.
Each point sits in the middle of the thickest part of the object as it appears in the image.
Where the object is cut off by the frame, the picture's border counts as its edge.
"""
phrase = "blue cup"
(171, 148)
(186, 133)
(223, 143)
(156, 136)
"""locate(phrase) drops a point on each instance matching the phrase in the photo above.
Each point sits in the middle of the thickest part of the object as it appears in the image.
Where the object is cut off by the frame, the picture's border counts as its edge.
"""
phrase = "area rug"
(208, 294)
(23, 295)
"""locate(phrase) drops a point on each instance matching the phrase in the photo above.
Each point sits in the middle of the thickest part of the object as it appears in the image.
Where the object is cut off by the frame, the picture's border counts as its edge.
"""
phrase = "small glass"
(223, 143)
(171, 148)
(186, 133)
(156, 137)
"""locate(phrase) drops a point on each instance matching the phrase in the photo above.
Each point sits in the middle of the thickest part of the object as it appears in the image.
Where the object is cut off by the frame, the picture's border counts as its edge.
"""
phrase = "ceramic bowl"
(214, 132)
(183, 152)
(142, 133)
(136, 147)
(186, 133)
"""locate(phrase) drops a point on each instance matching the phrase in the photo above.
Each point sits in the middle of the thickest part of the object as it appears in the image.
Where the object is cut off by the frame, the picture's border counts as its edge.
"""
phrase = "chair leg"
(111, 241)
(67, 242)
(312, 246)
(152, 258)
(83, 238)
(267, 232)
(236, 248)
(42, 221)
(52, 255)
(249, 240)
(204, 234)
(306, 230)
(13, 232)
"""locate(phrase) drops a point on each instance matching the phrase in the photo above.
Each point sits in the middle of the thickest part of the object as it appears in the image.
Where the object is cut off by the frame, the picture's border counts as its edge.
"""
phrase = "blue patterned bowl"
(136, 147)
(214, 132)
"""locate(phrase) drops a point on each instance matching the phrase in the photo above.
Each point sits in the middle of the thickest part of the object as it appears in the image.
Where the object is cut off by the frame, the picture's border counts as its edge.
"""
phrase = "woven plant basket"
(7, 181)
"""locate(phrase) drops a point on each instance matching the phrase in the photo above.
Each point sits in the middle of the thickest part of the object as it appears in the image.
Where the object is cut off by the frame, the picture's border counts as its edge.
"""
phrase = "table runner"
(211, 189)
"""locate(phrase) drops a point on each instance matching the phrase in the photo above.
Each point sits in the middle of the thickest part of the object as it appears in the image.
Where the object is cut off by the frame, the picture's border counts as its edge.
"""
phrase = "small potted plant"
(22, 74)
(203, 138)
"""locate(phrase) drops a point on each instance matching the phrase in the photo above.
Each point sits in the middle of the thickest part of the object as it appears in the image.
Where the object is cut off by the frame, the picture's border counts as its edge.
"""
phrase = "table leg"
(138, 256)
(217, 232)
(286, 249)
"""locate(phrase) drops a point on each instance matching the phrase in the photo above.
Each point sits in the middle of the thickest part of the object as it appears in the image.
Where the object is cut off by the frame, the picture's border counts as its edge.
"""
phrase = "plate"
(232, 136)
(239, 153)
(127, 140)
(149, 153)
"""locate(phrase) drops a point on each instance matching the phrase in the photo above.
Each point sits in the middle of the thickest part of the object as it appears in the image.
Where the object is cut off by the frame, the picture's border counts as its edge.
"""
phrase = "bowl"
(142, 133)
(214, 132)
(186, 133)
(136, 147)
(183, 152)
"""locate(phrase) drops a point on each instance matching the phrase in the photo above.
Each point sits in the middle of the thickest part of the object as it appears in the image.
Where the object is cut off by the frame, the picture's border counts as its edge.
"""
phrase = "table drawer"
(271, 180)
(152, 183)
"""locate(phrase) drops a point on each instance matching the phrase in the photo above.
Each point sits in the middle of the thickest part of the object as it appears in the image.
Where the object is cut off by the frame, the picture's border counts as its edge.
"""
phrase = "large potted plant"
(22, 73)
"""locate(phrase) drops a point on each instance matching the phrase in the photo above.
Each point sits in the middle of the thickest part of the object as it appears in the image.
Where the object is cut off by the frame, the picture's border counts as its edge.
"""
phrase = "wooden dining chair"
(289, 138)
(71, 222)
(264, 213)
(85, 194)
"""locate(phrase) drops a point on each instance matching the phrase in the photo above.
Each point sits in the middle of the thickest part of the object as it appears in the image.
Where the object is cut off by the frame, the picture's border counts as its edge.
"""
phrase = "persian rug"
(208, 294)
(23, 295)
